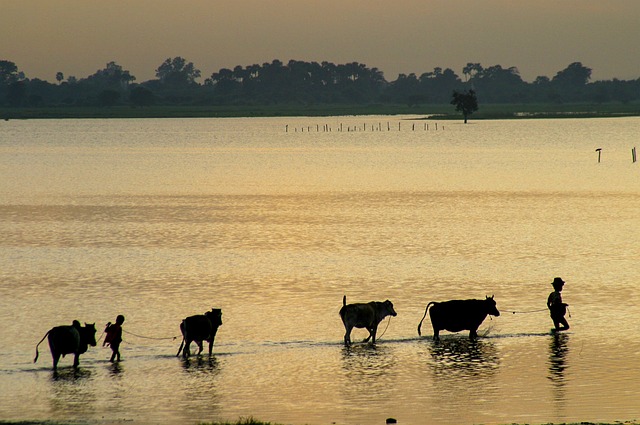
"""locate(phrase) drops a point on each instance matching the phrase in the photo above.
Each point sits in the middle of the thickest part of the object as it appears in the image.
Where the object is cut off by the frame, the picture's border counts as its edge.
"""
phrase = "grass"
(440, 112)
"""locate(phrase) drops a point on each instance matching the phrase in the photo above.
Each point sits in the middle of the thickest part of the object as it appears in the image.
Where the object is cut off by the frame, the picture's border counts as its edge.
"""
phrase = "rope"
(148, 337)
(524, 312)
(385, 329)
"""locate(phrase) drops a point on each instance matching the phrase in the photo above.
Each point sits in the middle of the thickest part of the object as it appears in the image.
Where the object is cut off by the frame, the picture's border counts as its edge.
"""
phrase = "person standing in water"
(114, 337)
(557, 308)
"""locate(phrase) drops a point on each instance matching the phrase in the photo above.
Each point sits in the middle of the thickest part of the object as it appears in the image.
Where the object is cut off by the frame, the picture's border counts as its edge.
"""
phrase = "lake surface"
(274, 220)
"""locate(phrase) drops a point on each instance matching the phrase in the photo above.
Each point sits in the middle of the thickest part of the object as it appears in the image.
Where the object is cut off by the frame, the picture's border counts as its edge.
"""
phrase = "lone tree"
(465, 102)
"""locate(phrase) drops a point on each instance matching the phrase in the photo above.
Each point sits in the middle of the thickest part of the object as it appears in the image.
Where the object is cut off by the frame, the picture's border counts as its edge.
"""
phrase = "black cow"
(74, 339)
(202, 327)
(457, 315)
(361, 315)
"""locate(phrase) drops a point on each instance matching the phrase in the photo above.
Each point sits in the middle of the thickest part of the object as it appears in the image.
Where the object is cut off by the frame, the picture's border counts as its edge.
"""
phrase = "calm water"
(162, 219)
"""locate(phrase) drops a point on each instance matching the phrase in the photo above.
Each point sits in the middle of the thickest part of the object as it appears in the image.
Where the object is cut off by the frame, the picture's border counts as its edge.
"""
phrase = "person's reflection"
(558, 351)
(116, 369)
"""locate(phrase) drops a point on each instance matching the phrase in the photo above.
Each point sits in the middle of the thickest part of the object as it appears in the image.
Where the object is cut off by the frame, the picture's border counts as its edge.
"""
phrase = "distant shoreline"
(251, 421)
(439, 112)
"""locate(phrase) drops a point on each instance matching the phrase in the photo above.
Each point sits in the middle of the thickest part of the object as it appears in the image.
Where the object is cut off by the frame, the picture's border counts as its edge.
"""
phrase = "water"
(162, 219)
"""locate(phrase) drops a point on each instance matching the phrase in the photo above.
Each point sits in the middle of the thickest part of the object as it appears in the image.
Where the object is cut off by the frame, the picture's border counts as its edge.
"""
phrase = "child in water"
(557, 308)
(114, 337)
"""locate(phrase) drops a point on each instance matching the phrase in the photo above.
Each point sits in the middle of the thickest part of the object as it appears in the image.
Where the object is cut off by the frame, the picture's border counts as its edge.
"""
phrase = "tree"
(570, 84)
(465, 102)
(113, 76)
(59, 77)
(141, 96)
(17, 93)
(177, 72)
(9, 73)
(498, 84)
(108, 97)
(471, 69)
(574, 75)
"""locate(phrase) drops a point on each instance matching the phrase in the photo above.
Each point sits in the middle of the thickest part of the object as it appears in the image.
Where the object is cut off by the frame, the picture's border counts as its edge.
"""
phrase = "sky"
(539, 37)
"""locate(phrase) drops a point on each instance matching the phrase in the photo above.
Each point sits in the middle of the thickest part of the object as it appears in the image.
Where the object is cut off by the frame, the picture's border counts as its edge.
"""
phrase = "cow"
(361, 315)
(74, 339)
(457, 315)
(202, 327)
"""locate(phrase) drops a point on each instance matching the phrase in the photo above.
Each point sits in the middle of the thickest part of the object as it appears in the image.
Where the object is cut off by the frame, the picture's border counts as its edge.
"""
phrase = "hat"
(557, 281)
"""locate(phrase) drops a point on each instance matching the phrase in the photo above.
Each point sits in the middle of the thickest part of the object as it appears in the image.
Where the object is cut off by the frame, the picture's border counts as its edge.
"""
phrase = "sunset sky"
(539, 37)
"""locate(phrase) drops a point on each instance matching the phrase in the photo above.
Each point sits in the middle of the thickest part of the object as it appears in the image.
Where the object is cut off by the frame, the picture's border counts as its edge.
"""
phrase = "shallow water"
(274, 221)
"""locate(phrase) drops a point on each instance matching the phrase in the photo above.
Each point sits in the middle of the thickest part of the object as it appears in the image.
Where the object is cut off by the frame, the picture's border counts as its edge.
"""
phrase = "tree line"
(307, 83)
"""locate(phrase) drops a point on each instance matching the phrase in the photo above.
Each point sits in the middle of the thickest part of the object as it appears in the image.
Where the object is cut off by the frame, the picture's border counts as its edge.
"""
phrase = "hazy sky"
(539, 37)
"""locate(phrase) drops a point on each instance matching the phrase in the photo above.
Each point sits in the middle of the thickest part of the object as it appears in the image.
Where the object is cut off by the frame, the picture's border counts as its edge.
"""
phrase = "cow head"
(388, 307)
(491, 306)
(214, 316)
(88, 333)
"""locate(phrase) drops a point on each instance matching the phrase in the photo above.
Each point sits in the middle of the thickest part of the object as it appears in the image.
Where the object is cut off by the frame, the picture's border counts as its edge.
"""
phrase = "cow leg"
(347, 335)
(211, 346)
(186, 352)
(56, 359)
(372, 335)
(199, 347)
(76, 360)
(473, 334)
(436, 334)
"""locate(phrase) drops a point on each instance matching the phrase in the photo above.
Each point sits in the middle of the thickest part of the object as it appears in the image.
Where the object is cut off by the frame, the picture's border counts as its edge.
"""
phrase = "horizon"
(205, 75)
(79, 37)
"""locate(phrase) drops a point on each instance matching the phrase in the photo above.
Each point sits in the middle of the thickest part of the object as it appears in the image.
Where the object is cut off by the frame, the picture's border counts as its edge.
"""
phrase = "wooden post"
(599, 150)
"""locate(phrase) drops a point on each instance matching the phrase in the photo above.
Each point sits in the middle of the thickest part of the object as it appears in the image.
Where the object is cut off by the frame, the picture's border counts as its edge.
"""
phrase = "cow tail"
(344, 300)
(37, 354)
(181, 345)
(425, 315)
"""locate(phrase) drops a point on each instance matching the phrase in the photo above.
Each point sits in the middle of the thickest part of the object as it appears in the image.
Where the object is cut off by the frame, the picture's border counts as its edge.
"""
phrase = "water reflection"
(70, 374)
(558, 350)
(369, 371)
(199, 388)
(116, 370)
(71, 392)
(464, 373)
(200, 364)
(461, 356)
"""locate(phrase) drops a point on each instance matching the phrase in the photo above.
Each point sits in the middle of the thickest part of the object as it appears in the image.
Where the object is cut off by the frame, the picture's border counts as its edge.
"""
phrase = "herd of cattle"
(452, 316)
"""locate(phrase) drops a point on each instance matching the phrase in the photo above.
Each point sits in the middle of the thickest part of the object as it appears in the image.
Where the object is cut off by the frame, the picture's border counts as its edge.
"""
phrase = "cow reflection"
(369, 371)
(464, 357)
(70, 375)
(206, 364)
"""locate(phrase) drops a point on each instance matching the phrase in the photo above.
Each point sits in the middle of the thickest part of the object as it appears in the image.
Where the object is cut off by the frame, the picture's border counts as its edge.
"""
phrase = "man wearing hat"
(556, 307)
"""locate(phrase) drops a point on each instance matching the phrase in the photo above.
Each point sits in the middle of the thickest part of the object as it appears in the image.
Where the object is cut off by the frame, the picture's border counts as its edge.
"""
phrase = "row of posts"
(365, 127)
(634, 156)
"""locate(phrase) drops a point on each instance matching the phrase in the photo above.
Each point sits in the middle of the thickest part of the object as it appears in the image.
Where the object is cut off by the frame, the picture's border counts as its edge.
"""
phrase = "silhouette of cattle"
(361, 315)
(74, 339)
(202, 327)
(458, 315)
